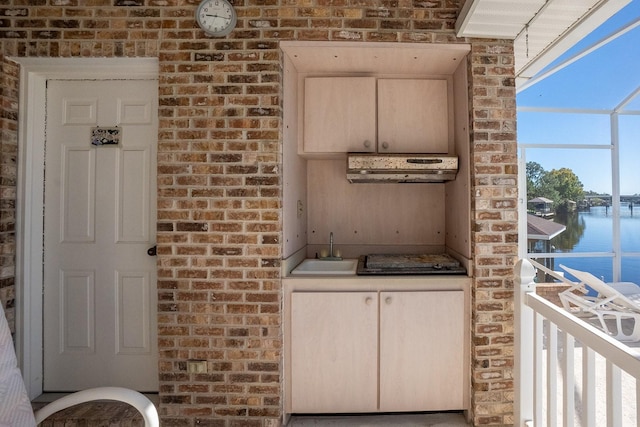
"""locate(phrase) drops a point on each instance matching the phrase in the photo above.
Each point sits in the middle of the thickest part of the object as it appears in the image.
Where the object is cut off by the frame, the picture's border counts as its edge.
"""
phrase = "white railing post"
(524, 319)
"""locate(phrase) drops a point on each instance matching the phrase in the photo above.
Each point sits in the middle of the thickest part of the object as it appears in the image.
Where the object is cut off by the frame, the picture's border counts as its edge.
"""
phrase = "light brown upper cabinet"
(339, 114)
(412, 116)
(369, 114)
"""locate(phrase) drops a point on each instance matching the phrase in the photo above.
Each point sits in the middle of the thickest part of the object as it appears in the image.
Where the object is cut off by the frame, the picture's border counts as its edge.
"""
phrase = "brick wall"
(551, 291)
(219, 182)
(494, 229)
(8, 173)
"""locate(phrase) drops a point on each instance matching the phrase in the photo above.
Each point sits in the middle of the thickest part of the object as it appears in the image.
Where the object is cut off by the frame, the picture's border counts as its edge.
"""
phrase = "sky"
(601, 80)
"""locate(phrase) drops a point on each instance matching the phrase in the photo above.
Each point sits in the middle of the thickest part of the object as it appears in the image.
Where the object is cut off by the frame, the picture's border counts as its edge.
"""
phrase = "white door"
(100, 209)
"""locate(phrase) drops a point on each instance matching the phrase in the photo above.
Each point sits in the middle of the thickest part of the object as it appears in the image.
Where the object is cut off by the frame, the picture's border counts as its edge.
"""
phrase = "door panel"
(133, 206)
(78, 195)
(421, 351)
(100, 215)
(77, 311)
(133, 313)
(334, 341)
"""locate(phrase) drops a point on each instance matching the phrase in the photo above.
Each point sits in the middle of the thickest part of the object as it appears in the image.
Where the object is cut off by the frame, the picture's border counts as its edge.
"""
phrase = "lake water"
(591, 231)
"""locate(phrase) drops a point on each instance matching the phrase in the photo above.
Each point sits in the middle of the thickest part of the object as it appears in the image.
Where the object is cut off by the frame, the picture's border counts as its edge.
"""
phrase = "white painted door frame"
(34, 74)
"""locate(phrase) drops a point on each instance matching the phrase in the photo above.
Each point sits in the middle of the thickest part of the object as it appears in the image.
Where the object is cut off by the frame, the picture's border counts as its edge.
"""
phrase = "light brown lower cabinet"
(377, 351)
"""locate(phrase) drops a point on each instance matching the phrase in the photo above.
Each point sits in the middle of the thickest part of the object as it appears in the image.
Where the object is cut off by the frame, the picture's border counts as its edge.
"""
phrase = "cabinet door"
(413, 116)
(339, 114)
(421, 351)
(334, 341)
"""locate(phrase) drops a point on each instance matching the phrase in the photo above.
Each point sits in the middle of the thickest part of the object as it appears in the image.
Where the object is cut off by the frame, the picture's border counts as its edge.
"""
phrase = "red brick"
(220, 99)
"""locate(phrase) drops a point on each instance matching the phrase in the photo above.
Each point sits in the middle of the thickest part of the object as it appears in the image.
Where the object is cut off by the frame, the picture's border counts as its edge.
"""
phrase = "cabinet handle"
(367, 143)
(385, 145)
(368, 300)
(388, 300)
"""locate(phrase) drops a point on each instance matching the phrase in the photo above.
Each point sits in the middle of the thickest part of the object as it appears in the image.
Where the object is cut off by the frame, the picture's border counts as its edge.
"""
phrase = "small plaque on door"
(105, 136)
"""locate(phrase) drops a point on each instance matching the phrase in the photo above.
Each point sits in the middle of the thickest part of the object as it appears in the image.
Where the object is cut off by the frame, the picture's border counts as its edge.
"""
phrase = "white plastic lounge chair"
(133, 398)
(628, 289)
(15, 407)
(609, 304)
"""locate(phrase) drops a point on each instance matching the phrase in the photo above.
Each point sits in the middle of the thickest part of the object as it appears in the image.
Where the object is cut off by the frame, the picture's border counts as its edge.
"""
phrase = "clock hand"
(218, 16)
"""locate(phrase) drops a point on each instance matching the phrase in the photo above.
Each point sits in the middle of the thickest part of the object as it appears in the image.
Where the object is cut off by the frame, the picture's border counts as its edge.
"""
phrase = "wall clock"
(216, 17)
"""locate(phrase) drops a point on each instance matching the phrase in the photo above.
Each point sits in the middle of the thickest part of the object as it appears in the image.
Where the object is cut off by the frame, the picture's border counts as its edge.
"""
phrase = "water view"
(592, 231)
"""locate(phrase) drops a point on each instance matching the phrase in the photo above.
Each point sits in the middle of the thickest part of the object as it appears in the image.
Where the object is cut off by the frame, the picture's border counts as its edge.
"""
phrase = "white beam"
(598, 16)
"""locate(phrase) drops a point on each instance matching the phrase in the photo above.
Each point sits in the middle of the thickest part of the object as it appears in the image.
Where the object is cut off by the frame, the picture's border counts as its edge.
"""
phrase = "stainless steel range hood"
(398, 168)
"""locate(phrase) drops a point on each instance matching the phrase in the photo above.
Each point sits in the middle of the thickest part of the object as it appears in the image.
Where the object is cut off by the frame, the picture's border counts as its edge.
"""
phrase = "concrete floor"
(122, 415)
(404, 420)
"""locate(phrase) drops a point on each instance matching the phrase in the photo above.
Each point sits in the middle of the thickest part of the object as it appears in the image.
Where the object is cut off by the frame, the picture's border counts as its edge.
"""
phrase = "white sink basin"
(326, 267)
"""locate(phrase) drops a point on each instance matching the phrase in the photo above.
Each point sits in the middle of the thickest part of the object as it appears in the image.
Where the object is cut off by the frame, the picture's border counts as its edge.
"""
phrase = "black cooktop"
(408, 264)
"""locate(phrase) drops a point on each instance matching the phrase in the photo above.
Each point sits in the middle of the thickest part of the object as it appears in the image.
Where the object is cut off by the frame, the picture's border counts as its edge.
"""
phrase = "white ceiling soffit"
(496, 19)
(542, 30)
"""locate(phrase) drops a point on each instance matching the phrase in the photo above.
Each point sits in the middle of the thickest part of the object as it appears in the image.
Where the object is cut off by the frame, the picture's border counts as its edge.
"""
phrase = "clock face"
(216, 17)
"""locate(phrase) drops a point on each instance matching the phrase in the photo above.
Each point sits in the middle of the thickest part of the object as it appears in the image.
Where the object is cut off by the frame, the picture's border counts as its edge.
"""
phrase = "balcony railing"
(568, 372)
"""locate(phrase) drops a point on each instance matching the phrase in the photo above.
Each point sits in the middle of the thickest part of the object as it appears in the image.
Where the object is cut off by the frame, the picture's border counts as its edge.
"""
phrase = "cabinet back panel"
(371, 214)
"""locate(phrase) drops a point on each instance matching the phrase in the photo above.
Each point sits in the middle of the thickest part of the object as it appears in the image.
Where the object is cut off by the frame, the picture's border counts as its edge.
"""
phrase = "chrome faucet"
(330, 255)
(331, 244)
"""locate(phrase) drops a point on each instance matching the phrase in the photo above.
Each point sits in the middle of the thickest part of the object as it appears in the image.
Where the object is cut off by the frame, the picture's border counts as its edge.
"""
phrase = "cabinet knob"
(385, 145)
(367, 143)
(388, 300)
(368, 300)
